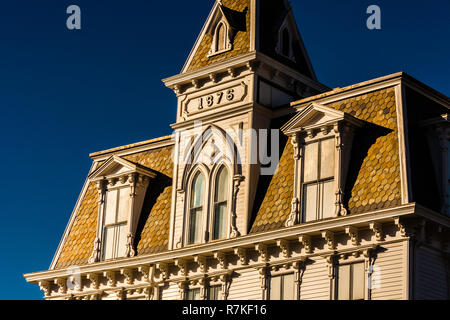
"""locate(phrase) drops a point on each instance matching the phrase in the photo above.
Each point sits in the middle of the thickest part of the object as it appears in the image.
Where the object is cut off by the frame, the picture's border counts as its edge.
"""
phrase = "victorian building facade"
(272, 186)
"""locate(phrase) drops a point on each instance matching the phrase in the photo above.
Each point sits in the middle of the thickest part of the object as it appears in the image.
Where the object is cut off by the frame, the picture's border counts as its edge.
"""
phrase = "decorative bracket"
(263, 251)
(202, 262)
(94, 278)
(222, 258)
(306, 242)
(128, 274)
(329, 238)
(111, 277)
(164, 269)
(285, 247)
(242, 254)
(62, 285)
(182, 264)
(377, 229)
(46, 287)
(354, 234)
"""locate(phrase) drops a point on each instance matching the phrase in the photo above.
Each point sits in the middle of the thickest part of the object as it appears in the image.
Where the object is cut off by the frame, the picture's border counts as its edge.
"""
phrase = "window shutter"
(275, 288)
(289, 287)
(358, 281)
(343, 282)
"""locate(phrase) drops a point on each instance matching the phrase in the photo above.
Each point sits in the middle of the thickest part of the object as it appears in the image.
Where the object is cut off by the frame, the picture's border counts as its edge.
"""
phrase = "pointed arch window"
(196, 209)
(220, 35)
(220, 204)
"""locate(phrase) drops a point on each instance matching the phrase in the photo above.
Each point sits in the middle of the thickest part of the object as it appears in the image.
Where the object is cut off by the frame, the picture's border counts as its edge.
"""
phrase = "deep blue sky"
(65, 94)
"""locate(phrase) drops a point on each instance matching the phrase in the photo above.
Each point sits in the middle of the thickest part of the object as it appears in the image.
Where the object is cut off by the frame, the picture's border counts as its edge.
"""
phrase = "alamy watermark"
(374, 20)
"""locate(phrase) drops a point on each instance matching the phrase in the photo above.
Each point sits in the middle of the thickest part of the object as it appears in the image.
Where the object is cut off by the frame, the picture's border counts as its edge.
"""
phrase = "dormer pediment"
(116, 166)
(317, 116)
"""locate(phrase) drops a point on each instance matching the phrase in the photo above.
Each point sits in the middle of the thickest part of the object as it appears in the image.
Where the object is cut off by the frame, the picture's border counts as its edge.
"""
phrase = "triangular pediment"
(116, 166)
(316, 116)
(235, 15)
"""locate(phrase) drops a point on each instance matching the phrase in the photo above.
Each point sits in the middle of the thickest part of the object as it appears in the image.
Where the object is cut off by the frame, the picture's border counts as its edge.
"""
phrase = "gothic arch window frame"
(213, 181)
(204, 171)
(281, 41)
(227, 44)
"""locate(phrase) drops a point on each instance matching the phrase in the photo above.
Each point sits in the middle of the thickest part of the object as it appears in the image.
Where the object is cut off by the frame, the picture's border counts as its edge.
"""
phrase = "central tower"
(248, 63)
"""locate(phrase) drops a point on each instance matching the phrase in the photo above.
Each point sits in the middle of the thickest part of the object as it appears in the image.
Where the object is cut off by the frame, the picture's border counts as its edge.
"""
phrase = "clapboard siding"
(388, 279)
(431, 275)
(315, 283)
(246, 285)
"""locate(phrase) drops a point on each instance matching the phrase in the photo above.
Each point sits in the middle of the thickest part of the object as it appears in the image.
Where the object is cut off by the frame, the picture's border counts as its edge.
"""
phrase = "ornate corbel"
(354, 234)
(232, 72)
(253, 65)
(147, 272)
(377, 228)
(222, 258)
(164, 269)
(285, 247)
(329, 238)
(130, 252)
(213, 77)
(263, 251)
(306, 242)
(407, 228)
(182, 264)
(128, 274)
(62, 285)
(242, 254)
(46, 287)
(94, 278)
(331, 261)
(202, 262)
(292, 220)
(110, 277)
(195, 83)
(237, 179)
(95, 256)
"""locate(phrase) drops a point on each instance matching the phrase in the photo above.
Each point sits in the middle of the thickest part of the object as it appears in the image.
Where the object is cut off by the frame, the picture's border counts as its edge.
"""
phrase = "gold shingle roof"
(376, 182)
(153, 228)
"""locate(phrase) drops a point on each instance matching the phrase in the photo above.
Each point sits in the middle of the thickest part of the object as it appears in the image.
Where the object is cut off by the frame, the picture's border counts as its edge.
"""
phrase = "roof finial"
(220, 2)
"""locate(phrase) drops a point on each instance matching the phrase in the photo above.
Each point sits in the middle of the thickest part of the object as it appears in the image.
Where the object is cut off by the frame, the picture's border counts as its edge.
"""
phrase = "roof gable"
(314, 116)
(116, 166)
(237, 16)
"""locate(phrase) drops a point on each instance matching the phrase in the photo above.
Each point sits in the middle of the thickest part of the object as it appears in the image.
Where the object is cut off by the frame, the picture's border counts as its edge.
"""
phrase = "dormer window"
(221, 39)
(284, 46)
(121, 186)
(115, 223)
(322, 139)
(318, 180)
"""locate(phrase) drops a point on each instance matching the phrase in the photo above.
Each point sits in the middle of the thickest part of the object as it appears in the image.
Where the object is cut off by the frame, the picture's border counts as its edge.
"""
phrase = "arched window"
(220, 204)
(196, 209)
(286, 43)
(220, 37)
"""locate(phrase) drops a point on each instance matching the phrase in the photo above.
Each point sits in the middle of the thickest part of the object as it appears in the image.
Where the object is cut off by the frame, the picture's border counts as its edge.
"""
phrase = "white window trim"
(279, 46)
(228, 45)
(305, 128)
(205, 172)
(210, 177)
(212, 190)
(133, 177)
